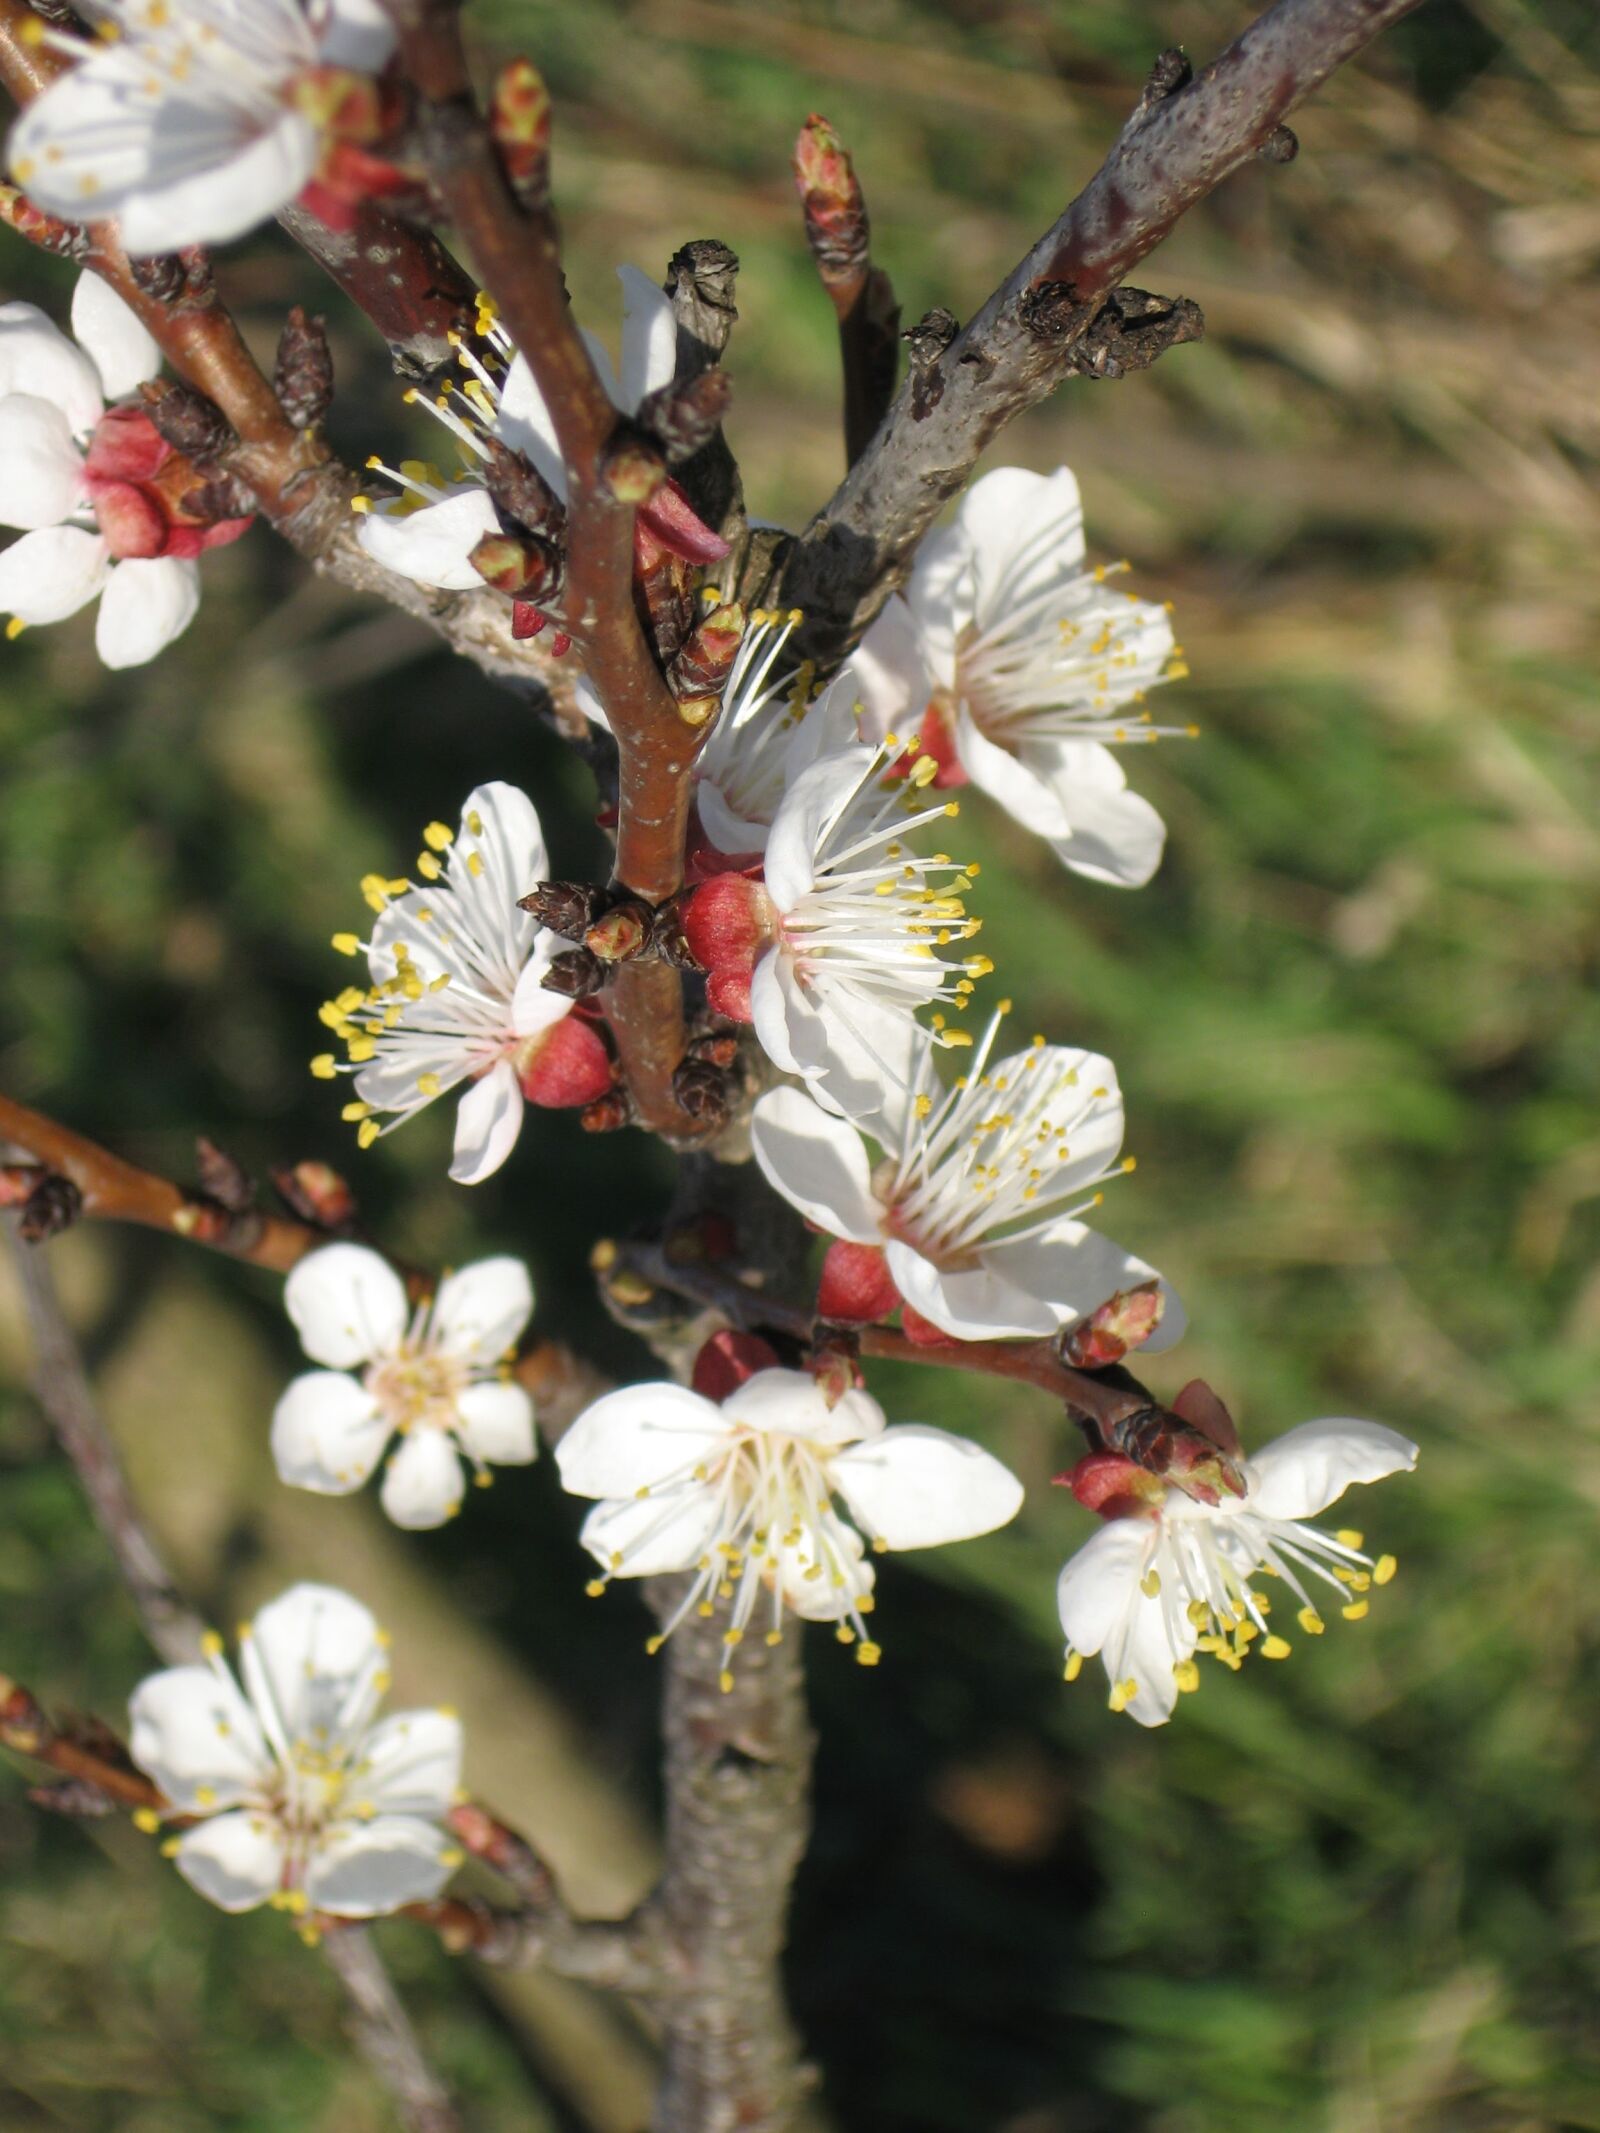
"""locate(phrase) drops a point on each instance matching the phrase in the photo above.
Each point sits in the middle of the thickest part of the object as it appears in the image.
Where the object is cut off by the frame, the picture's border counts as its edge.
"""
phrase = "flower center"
(418, 1388)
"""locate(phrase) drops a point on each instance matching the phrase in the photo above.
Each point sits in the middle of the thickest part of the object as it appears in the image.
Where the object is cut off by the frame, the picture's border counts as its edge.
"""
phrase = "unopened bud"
(632, 467)
(1126, 1321)
(1113, 1486)
(700, 666)
(519, 124)
(526, 567)
(302, 376)
(620, 934)
(836, 1373)
(225, 498)
(187, 420)
(856, 1288)
(830, 197)
(575, 975)
(566, 1065)
(318, 1195)
(569, 908)
(702, 1092)
(728, 1360)
(162, 275)
(54, 1204)
(719, 1050)
(520, 491)
(608, 1114)
(698, 711)
(686, 417)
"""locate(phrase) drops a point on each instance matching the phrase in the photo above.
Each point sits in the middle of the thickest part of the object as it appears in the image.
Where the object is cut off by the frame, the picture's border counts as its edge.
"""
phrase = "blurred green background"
(1356, 1023)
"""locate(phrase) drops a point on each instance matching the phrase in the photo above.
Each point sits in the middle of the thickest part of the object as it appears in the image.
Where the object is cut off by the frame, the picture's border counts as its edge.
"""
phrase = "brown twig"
(120, 1192)
(25, 1730)
(1180, 144)
(400, 275)
(381, 2031)
(839, 234)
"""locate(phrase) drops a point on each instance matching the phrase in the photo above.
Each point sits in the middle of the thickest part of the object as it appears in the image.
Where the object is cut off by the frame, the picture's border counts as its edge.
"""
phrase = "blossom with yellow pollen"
(300, 1795)
(433, 1377)
(1171, 1575)
(742, 1493)
(1017, 665)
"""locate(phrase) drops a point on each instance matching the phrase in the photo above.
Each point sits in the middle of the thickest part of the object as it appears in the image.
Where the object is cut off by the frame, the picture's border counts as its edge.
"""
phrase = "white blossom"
(832, 953)
(742, 1495)
(976, 1197)
(433, 1377)
(76, 478)
(1177, 1576)
(1018, 664)
(428, 530)
(194, 120)
(455, 995)
(301, 1796)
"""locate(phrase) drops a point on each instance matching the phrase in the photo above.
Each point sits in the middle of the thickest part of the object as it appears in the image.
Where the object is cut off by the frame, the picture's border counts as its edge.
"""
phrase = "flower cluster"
(104, 502)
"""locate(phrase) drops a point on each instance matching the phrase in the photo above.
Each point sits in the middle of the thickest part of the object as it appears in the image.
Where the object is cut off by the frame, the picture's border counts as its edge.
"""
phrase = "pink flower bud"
(856, 1287)
(727, 1360)
(1113, 1486)
(1125, 1321)
(728, 921)
(564, 1065)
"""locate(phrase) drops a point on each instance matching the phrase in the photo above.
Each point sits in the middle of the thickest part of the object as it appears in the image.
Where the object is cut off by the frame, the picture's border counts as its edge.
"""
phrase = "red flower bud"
(922, 1330)
(1126, 1321)
(671, 518)
(126, 446)
(727, 1360)
(132, 522)
(727, 922)
(856, 1287)
(564, 1065)
(1113, 1486)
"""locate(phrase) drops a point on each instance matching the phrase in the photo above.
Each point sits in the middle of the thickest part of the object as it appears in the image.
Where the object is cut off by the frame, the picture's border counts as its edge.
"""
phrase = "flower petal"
(146, 604)
(1073, 1270)
(37, 357)
(918, 1487)
(41, 469)
(48, 575)
(1098, 1584)
(809, 807)
(235, 1861)
(328, 1433)
(825, 1590)
(303, 1654)
(1308, 1468)
(649, 338)
(533, 1008)
(640, 1537)
(637, 1438)
(423, 1484)
(241, 182)
(411, 1763)
(431, 544)
(819, 1164)
(1023, 531)
(110, 334)
(525, 424)
(353, 33)
(488, 1120)
(791, 1403)
(196, 1735)
(496, 1425)
(1115, 836)
(363, 1869)
(892, 681)
(348, 1305)
(1024, 793)
(479, 1311)
(972, 1304)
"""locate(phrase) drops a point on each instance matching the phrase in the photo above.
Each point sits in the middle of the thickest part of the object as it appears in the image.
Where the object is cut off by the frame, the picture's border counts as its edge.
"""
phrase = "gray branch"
(1180, 143)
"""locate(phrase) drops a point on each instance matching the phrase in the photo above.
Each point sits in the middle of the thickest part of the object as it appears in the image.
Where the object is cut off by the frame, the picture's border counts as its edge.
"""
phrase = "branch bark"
(401, 276)
(1174, 151)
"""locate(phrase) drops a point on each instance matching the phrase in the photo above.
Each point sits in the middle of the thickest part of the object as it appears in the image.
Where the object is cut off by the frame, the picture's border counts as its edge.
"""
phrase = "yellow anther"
(361, 1049)
(1187, 1675)
(347, 943)
(868, 1653)
(146, 1819)
(367, 1132)
(1073, 1667)
(1348, 1537)
(438, 836)
(1130, 1162)
(1275, 1647)
(1310, 1621)
(1150, 1584)
(428, 867)
(428, 1085)
(352, 1114)
(725, 1682)
(1356, 1611)
(1384, 1569)
(653, 1644)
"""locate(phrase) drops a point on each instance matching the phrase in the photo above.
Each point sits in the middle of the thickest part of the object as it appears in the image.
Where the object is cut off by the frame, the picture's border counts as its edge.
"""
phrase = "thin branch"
(840, 234)
(301, 489)
(1175, 150)
(381, 2030)
(61, 1385)
(85, 1757)
(400, 275)
(120, 1192)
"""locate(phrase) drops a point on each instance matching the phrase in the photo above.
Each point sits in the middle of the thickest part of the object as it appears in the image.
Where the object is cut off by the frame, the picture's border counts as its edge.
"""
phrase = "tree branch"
(1176, 148)
(400, 275)
(381, 2031)
(863, 298)
(120, 1192)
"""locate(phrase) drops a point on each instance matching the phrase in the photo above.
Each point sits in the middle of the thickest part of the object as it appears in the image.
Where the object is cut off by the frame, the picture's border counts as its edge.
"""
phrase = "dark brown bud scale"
(188, 421)
(302, 376)
(607, 1114)
(575, 975)
(686, 417)
(700, 666)
(569, 908)
(702, 1092)
(54, 1204)
(224, 1179)
(521, 493)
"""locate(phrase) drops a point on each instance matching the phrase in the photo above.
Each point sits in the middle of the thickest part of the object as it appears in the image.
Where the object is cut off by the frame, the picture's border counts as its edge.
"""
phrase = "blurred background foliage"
(1357, 1026)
